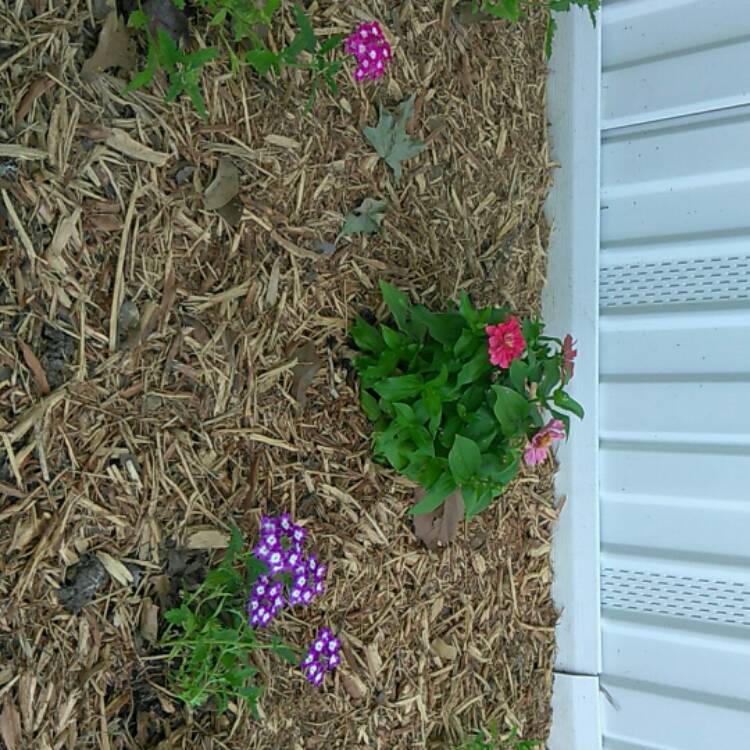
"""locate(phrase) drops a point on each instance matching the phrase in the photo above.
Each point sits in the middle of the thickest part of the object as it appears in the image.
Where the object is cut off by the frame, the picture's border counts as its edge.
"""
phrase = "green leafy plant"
(390, 139)
(493, 741)
(208, 640)
(367, 218)
(515, 10)
(443, 414)
(183, 69)
(236, 22)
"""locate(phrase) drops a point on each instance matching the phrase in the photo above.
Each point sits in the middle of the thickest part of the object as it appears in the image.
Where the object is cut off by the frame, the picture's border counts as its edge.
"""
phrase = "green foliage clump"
(208, 640)
(515, 10)
(240, 25)
(443, 415)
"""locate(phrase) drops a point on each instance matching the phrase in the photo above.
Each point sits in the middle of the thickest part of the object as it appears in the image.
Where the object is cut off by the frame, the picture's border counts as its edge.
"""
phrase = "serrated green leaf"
(367, 218)
(305, 29)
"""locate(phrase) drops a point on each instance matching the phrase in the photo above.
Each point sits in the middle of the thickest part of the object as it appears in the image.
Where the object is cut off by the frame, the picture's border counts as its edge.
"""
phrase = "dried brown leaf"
(114, 50)
(105, 222)
(149, 620)
(440, 526)
(120, 141)
(303, 374)
(272, 293)
(115, 568)
(35, 366)
(37, 89)
(444, 650)
(354, 686)
(224, 186)
(208, 539)
(10, 725)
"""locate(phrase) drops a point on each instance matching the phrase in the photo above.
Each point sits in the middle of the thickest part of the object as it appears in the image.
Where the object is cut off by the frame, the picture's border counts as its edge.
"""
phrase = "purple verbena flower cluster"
(322, 657)
(370, 48)
(281, 548)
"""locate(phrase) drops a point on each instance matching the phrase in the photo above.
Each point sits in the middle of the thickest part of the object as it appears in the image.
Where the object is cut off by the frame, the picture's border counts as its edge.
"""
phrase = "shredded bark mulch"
(150, 353)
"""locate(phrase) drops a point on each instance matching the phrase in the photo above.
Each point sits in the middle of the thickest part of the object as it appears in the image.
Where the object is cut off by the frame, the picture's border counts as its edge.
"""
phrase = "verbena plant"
(444, 415)
(237, 23)
(208, 640)
(515, 10)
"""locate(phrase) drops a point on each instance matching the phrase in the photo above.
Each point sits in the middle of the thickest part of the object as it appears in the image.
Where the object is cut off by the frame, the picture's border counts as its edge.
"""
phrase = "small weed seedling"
(493, 741)
(515, 10)
(459, 398)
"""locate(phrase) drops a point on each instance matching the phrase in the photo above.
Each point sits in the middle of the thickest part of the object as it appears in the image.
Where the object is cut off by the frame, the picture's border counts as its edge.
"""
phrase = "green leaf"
(390, 139)
(393, 339)
(550, 377)
(305, 29)
(397, 303)
(483, 498)
(366, 337)
(435, 495)
(369, 406)
(496, 471)
(367, 218)
(330, 44)
(464, 459)
(404, 413)
(145, 76)
(467, 343)
(168, 53)
(475, 368)
(564, 401)
(400, 387)
(385, 365)
(263, 60)
(443, 327)
(138, 20)
(519, 371)
(433, 406)
(200, 57)
(549, 35)
(511, 409)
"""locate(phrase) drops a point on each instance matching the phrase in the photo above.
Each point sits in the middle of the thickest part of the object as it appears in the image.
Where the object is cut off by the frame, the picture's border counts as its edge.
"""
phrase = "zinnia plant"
(460, 398)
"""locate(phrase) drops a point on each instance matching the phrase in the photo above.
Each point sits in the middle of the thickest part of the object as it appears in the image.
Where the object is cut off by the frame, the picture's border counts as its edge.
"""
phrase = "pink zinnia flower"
(370, 48)
(537, 449)
(568, 356)
(505, 341)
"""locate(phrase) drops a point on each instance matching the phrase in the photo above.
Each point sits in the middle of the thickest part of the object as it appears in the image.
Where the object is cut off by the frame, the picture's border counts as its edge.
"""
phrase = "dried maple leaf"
(114, 50)
(440, 526)
(390, 139)
(367, 218)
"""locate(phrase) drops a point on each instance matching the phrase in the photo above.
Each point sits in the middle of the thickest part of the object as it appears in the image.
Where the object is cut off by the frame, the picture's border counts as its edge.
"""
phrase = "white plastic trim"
(570, 304)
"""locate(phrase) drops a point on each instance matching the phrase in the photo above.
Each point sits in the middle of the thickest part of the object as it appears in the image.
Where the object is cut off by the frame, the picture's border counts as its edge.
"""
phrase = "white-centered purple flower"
(322, 657)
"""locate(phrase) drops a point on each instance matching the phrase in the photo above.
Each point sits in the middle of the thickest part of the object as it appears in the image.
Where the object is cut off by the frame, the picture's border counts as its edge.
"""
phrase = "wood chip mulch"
(147, 355)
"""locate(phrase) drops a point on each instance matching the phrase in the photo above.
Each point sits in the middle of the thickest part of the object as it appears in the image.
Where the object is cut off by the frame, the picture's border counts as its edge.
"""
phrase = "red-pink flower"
(537, 449)
(505, 341)
(370, 48)
(568, 356)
